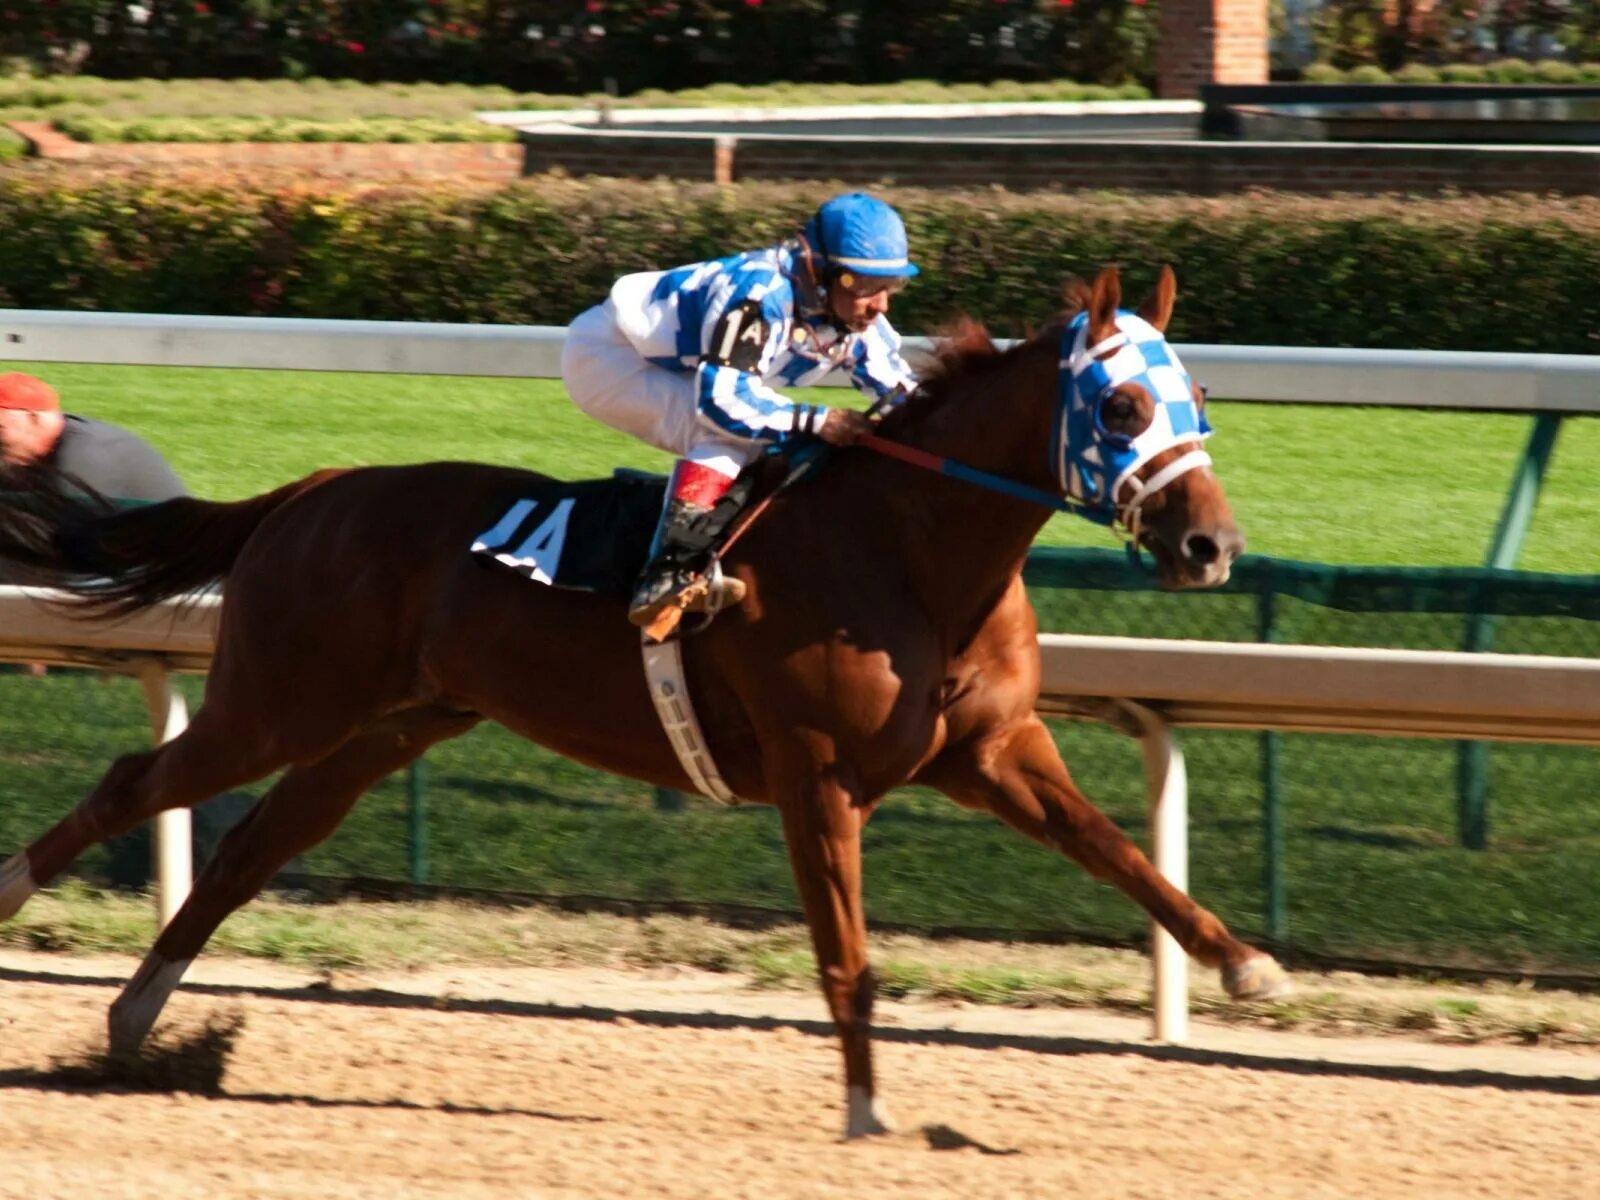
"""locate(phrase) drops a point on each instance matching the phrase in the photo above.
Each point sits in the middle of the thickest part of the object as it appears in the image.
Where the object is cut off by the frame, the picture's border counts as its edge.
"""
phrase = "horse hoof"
(16, 885)
(868, 1116)
(127, 1025)
(1258, 978)
(122, 1042)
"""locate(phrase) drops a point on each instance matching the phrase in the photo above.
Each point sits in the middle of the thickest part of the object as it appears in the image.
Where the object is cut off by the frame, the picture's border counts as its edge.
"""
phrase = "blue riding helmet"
(860, 233)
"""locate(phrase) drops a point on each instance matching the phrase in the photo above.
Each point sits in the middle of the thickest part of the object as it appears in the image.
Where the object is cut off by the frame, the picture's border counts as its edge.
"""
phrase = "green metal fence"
(1335, 846)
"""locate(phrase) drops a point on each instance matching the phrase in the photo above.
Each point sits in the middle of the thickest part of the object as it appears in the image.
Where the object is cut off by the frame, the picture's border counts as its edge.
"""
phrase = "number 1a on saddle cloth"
(590, 536)
(594, 535)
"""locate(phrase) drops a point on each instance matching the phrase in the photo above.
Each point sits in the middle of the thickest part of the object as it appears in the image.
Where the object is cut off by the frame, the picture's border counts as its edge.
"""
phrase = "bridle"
(1097, 467)
(1085, 383)
(1093, 465)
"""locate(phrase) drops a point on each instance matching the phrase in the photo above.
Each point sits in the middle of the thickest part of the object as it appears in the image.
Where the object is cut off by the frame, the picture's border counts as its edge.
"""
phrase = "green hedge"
(78, 96)
(1503, 70)
(243, 129)
(1479, 273)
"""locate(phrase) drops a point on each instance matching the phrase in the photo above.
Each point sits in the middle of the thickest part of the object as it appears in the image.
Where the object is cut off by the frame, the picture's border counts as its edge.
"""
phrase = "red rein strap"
(955, 470)
(907, 454)
(938, 464)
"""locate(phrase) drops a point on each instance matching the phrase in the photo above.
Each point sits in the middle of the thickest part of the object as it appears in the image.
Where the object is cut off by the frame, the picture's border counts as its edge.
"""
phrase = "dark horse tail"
(58, 534)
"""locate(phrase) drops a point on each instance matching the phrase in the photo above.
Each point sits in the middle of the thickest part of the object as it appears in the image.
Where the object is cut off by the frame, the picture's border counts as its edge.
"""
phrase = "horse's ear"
(1157, 306)
(1104, 298)
(1075, 295)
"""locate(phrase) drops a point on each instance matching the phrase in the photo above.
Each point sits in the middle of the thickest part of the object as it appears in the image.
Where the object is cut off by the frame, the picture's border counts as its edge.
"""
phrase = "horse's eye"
(1119, 417)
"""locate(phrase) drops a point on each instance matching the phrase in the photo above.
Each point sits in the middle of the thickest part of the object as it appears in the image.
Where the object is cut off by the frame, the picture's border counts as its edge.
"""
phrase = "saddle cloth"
(591, 536)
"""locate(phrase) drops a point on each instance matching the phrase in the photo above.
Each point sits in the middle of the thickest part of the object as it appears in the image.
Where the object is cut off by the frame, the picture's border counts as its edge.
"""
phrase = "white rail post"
(1167, 790)
(173, 851)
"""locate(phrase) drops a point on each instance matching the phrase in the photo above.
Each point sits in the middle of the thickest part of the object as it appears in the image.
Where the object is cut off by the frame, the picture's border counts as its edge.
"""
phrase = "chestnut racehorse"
(885, 638)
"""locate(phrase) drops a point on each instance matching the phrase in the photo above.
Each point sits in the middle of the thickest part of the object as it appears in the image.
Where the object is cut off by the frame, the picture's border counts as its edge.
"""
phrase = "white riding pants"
(609, 379)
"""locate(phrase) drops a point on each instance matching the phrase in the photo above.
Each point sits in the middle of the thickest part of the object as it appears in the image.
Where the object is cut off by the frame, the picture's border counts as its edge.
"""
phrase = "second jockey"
(690, 360)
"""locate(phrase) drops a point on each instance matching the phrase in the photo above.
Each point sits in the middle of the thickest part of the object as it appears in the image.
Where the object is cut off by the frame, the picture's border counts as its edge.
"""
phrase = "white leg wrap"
(134, 1012)
(868, 1115)
(16, 884)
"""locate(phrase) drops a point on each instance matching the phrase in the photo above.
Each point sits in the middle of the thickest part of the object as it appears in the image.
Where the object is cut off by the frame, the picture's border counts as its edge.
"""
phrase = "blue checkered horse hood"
(1090, 461)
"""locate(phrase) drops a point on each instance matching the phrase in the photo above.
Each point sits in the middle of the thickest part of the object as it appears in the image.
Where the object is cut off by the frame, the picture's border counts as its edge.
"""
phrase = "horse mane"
(966, 353)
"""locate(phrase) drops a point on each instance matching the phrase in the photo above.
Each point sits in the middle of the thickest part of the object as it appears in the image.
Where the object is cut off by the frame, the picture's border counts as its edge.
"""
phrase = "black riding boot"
(679, 553)
(674, 554)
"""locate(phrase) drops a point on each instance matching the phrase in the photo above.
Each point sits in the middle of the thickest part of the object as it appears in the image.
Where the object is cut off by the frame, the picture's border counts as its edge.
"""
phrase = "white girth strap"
(663, 675)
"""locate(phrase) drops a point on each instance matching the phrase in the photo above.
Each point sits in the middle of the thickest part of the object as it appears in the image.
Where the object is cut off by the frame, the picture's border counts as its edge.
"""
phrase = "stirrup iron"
(709, 594)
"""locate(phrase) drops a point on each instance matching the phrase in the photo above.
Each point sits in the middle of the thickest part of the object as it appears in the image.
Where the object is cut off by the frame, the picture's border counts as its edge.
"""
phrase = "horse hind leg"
(302, 809)
(193, 767)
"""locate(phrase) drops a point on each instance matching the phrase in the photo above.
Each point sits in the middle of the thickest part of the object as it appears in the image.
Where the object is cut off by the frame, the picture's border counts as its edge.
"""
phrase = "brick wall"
(1210, 41)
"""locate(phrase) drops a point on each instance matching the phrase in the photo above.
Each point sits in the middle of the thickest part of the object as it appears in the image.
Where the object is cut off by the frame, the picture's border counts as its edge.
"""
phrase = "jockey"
(689, 360)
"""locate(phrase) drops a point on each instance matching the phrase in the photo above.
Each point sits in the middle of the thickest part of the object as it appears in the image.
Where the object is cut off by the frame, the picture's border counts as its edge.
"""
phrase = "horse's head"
(1129, 432)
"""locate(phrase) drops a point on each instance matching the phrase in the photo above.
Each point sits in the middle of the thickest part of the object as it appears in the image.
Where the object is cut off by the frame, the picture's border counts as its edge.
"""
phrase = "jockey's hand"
(844, 427)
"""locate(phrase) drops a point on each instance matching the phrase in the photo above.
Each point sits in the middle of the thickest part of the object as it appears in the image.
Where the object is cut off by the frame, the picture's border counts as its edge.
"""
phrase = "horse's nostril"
(1201, 549)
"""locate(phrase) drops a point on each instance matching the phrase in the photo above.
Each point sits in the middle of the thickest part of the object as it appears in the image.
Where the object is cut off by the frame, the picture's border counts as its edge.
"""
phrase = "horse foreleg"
(822, 826)
(302, 809)
(193, 767)
(1018, 775)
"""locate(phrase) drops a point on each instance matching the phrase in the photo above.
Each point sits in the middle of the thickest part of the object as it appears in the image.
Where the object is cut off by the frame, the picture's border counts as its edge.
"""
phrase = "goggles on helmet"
(870, 285)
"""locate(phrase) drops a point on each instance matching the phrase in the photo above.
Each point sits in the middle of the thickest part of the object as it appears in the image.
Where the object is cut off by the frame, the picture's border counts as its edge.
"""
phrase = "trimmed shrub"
(1469, 273)
(244, 129)
(1322, 73)
(1550, 70)
(1367, 74)
(1417, 73)
(1508, 70)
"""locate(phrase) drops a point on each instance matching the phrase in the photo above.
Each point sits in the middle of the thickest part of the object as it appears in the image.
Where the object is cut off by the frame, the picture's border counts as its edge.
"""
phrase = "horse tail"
(115, 562)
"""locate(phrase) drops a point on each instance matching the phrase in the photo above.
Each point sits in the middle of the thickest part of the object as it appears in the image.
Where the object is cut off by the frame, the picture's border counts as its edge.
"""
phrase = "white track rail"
(1294, 374)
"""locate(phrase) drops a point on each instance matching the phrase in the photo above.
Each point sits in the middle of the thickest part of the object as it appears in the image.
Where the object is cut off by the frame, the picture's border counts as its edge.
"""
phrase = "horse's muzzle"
(1202, 558)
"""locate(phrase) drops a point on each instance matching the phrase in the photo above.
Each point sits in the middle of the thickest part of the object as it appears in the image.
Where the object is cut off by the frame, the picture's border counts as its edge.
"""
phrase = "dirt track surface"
(475, 1083)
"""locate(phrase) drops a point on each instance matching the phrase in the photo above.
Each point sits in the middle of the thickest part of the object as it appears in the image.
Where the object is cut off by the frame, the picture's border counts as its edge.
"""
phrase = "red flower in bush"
(355, 47)
(201, 7)
(752, 3)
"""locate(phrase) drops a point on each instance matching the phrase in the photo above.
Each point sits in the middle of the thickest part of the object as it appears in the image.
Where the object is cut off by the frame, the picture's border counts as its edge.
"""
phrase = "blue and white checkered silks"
(1093, 463)
(670, 317)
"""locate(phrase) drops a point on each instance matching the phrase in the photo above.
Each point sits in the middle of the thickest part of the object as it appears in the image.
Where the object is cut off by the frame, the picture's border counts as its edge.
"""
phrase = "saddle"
(594, 535)
(589, 536)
